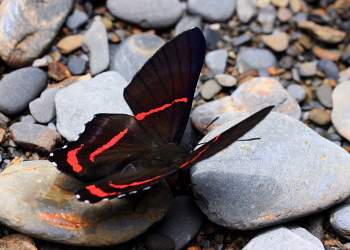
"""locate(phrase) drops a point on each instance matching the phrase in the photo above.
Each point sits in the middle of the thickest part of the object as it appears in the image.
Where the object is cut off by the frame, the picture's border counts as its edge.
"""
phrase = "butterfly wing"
(108, 143)
(161, 93)
(120, 185)
(223, 140)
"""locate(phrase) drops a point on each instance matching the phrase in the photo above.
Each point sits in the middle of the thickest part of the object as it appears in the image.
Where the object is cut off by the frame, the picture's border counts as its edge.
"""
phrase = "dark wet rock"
(43, 108)
(132, 53)
(95, 41)
(151, 14)
(252, 172)
(22, 43)
(19, 88)
(59, 217)
(79, 102)
(340, 114)
(211, 10)
(34, 136)
(182, 222)
(156, 241)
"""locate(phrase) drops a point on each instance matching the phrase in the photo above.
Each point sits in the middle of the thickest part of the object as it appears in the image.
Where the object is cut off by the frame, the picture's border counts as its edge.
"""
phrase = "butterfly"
(120, 154)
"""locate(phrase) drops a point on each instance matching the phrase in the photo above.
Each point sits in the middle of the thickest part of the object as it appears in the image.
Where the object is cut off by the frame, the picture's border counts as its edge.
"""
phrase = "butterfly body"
(119, 154)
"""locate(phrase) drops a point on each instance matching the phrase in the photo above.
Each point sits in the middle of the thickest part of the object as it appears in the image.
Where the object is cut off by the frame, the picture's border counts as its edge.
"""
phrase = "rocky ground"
(64, 61)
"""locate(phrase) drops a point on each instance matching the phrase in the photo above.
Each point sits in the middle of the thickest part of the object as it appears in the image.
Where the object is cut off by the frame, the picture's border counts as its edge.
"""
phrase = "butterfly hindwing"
(108, 142)
(161, 93)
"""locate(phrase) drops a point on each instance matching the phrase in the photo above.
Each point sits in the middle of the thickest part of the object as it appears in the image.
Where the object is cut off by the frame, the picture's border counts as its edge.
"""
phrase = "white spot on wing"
(121, 195)
(86, 201)
(54, 163)
(105, 199)
(64, 146)
(51, 154)
(146, 188)
(78, 196)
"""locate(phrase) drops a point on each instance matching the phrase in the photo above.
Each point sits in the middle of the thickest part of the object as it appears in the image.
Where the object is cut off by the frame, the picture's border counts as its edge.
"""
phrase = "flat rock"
(34, 136)
(19, 88)
(340, 112)
(226, 80)
(70, 43)
(43, 205)
(254, 184)
(43, 108)
(211, 10)
(257, 59)
(323, 33)
(150, 14)
(248, 98)
(276, 238)
(22, 43)
(79, 102)
(95, 41)
(133, 52)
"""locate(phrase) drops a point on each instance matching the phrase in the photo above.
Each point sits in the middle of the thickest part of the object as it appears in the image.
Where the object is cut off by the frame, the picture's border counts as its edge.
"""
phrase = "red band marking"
(97, 191)
(73, 160)
(136, 183)
(143, 115)
(108, 145)
(200, 153)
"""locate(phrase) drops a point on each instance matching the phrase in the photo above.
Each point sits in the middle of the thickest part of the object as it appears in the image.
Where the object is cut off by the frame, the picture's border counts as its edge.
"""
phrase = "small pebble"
(267, 17)
(211, 11)
(277, 42)
(216, 61)
(246, 9)
(226, 80)
(212, 37)
(329, 68)
(320, 117)
(186, 22)
(70, 43)
(307, 69)
(324, 95)
(77, 19)
(77, 65)
(210, 89)
(156, 241)
(257, 59)
(297, 91)
(284, 14)
(95, 41)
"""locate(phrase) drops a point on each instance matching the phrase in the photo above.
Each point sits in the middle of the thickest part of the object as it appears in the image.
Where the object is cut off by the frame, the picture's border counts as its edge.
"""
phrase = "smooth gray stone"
(257, 59)
(216, 61)
(246, 9)
(150, 14)
(19, 88)
(43, 205)
(77, 19)
(212, 10)
(132, 53)
(187, 22)
(43, 108)
(277, 238)
(340, 220)
(267, 17)
(255, 184)
(307, 69)
(329, 68)
(324, 95)
(27, 28)
(341, 106)
(95, 41)
(297, 92)
(79, 102)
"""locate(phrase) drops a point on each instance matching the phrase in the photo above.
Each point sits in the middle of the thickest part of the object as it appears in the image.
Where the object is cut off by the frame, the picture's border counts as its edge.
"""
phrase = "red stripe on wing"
(136, 183)
(143, 115)
(98, 192)
(73, 160)
(199, 154)
(108, 145)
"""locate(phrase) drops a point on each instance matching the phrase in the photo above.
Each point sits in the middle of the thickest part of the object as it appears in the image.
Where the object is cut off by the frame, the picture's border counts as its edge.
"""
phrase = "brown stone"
(70, 43)
(331, 54)
(28, 27)
(17, 242)
(323, 33)
(58, 71)
(320, 117)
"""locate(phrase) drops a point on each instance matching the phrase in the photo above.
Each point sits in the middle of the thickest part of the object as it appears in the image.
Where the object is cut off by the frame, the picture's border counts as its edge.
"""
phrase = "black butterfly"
(122, 154)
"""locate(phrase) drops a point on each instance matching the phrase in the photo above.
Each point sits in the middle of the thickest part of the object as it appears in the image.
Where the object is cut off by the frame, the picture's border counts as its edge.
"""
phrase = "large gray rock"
(288, 173)
(132, 53)
(78, 103)
(43, 205)
(28, 27)
(150, 14)
(212, 10)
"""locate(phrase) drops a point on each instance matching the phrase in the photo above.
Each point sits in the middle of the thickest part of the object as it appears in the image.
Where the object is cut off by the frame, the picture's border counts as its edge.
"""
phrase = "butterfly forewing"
(161, 93)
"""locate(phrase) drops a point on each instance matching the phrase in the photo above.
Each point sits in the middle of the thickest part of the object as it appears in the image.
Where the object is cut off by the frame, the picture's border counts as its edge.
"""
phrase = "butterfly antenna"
(200, 136)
